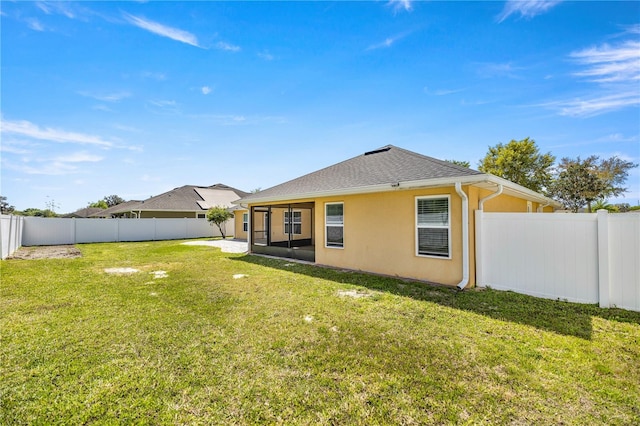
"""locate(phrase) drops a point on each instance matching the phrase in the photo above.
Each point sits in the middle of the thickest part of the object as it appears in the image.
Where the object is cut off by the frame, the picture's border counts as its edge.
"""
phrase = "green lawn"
(281, 345)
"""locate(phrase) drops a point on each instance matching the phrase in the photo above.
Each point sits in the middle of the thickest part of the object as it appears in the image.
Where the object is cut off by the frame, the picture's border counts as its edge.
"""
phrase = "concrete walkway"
(227, 246)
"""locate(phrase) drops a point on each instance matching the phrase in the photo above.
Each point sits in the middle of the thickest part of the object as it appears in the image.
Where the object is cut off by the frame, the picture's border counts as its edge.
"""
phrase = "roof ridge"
(439, 161)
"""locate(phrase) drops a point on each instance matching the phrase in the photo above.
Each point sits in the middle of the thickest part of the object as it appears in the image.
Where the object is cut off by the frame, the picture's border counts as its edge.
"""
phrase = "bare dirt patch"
(46, 252)
(353, 293)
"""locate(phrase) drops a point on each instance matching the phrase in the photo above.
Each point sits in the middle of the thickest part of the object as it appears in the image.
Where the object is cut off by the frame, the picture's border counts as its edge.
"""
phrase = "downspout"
(540, 209)
(465, 237)
(490, 196)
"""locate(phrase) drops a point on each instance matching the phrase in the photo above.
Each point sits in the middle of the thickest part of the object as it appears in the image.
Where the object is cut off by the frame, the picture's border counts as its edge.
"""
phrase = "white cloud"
(154, 75)
(388, 42)
(206, 90)
(442, 92)
(59, 7)
(163, 106)
(398, 5)
(615, 70)
(526, 8)
(78, 157)
(163, 30)
(102, 108)
(221, 45)
(34, 24)
(606, 63)
(237, 120)
(506, 69)
(28, 129)
(596, 105)
(106, 97)
(266, 56)
(49, 169)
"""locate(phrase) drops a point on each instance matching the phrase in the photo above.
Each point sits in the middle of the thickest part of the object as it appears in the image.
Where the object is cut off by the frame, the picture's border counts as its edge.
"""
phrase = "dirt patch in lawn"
(46, 252)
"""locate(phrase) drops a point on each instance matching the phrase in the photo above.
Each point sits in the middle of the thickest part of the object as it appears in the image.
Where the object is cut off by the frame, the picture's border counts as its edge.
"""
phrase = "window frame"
(418, 226)
(245, 222)
(287, 222)
(327, 224)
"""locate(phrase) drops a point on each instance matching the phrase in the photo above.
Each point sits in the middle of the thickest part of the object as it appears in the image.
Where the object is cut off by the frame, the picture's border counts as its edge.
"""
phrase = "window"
(334, 223)
(432, 226)
(296, 222)
(201, 216)
(245, 222)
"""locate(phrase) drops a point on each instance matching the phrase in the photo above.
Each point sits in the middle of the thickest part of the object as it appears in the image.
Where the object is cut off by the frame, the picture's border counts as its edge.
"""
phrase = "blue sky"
(136, 98)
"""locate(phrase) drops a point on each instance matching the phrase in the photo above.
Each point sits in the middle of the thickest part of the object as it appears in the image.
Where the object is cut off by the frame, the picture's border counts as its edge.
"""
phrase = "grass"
(279, 345)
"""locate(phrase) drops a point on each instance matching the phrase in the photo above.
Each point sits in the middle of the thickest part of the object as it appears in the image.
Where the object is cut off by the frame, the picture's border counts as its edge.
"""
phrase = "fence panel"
(53, 231)
(624, 260)
(560, 256)
(544, 255)
(48, 231)
(10, 234)
(96, 230)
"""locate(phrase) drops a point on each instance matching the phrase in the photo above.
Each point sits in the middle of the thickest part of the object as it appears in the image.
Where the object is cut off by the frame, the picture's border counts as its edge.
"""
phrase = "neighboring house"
(389, 211)
(84, 213)
(119, 210)
(186, 201)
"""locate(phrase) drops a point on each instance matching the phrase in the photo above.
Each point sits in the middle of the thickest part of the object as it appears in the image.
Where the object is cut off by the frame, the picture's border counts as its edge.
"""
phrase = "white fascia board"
(523, 192)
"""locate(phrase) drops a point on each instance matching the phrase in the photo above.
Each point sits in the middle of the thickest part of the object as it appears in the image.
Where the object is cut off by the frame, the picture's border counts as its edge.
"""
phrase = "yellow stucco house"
(389, 211)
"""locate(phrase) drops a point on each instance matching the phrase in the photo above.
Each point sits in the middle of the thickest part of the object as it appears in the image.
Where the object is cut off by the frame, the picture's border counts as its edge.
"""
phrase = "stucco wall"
(239, 231)
(380, 236)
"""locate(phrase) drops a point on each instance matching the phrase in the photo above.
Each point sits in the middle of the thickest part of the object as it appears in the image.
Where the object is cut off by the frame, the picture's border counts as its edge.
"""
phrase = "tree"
(101, 204)
(5, 207)
(521, 163)
(603, 205)
(32, 211)
(460, 163)
(623, 207)
(581, 182)
(113, 200)
(218, 215)
(614, 172)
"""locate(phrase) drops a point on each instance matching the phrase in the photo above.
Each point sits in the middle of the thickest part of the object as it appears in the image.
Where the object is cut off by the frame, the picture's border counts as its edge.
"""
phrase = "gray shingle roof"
(85, 212)
(387, 165)
(192, 198)
(122, 207)
(185, 198)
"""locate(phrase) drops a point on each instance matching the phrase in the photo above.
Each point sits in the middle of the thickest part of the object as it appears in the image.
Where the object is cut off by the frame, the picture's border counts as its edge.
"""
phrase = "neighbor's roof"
(187, 198)
(85, 212)
(122, 207)
(383, 169)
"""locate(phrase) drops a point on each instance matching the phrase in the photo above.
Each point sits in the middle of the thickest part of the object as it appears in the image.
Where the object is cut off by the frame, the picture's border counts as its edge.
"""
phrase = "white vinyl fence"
(579, 257)
(39, 231)
(10, 234)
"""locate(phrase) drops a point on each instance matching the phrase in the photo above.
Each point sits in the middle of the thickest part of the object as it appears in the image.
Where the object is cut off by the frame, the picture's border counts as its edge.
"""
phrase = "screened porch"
(283, 230)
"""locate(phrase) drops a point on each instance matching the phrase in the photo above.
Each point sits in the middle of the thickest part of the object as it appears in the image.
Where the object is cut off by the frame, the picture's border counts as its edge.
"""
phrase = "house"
(186, 201)
(389, 211)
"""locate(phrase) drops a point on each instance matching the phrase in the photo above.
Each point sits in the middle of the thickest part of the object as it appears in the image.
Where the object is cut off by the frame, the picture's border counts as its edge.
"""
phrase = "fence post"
(478, 225)
(604, 292)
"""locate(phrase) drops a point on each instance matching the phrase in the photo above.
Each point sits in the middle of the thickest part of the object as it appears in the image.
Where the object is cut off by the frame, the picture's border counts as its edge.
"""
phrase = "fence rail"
(586, 258)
